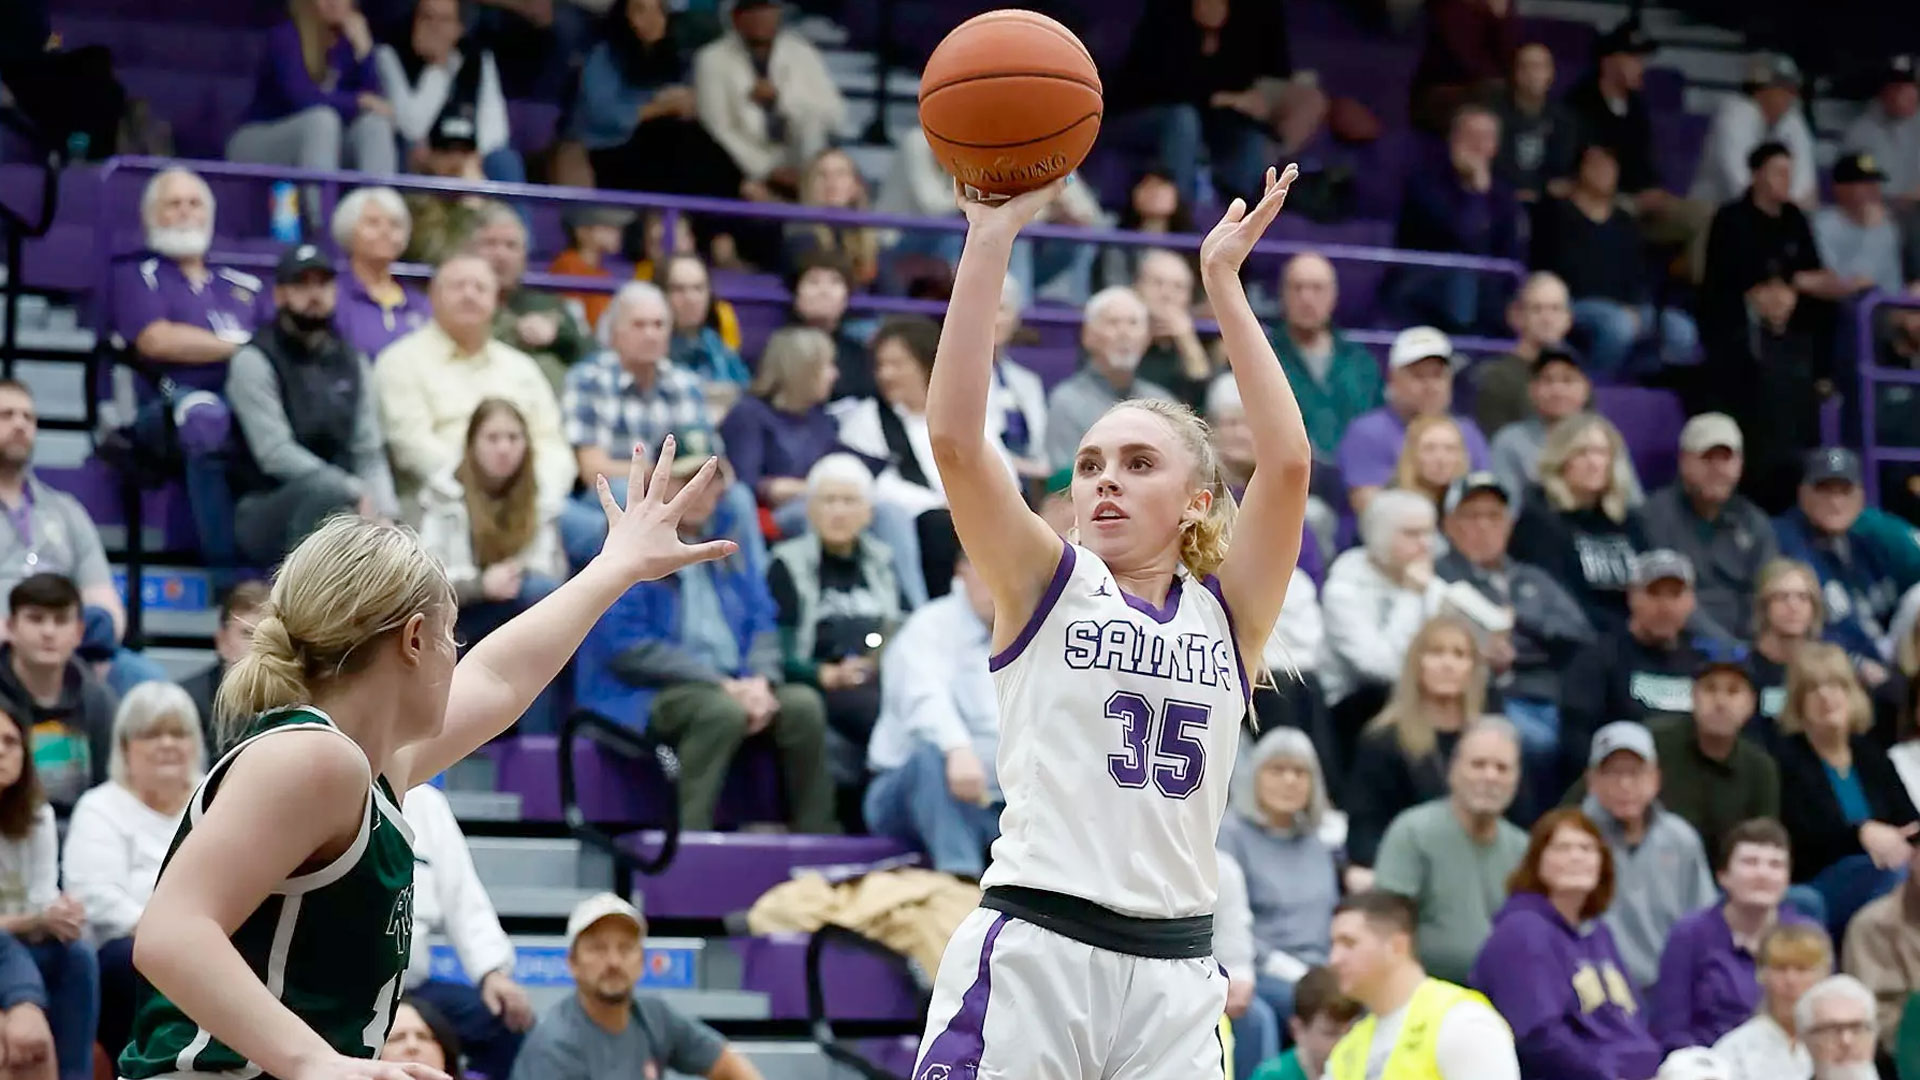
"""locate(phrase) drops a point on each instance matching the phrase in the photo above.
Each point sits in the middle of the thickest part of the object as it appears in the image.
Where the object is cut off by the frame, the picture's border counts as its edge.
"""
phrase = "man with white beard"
(1114, 334)
(185, 319)
(1836, 1018)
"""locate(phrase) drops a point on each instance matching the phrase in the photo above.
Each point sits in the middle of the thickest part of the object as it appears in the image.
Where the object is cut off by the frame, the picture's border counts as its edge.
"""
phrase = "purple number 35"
(1174, 760)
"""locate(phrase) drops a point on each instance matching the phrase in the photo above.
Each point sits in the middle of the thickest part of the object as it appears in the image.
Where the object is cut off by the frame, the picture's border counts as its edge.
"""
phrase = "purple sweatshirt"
(284, 87)
(1565, 993)
(1707, 985)
(764, 442)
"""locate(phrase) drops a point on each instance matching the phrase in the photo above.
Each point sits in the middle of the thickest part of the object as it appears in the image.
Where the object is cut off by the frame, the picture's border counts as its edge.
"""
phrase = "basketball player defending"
(282, 922)
(1121, 673)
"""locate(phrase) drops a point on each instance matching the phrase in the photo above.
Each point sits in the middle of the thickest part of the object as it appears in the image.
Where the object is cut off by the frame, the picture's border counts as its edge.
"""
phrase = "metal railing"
(1871, 377)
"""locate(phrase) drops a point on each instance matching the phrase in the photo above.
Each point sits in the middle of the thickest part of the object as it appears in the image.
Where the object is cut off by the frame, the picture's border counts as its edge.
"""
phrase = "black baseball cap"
(455, 130)
(1627, 37)
(1831, 463)
(1473, 484)
(300, 260)
(1557, 354)
(1723, 656)
(1899, 69)
(1857, 168)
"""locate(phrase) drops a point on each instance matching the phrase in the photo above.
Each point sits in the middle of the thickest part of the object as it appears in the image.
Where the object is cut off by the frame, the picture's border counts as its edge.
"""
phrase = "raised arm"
(1014, 551)
(496, 681)
(1254, 577)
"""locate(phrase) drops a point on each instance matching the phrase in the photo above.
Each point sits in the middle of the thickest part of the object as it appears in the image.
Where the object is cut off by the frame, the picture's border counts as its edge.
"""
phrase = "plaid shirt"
(604, 407)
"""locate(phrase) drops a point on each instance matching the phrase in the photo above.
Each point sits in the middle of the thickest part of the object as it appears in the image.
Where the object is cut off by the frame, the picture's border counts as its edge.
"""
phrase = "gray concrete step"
(493, 806)
(537, 863)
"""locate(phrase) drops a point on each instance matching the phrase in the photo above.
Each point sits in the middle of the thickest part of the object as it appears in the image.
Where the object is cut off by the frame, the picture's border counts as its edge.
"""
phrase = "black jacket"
(1619, 678)
(1384, 781)
(1811, 812)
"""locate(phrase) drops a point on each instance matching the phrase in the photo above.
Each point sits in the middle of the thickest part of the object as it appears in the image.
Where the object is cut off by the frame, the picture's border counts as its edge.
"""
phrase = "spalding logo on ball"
(1010, 101)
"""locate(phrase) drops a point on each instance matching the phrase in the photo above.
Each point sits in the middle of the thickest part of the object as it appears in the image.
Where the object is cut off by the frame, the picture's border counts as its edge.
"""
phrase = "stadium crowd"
(1639, 767)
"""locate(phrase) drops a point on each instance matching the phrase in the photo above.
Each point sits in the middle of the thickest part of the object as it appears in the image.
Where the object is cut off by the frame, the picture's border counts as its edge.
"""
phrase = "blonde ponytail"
(349, 582)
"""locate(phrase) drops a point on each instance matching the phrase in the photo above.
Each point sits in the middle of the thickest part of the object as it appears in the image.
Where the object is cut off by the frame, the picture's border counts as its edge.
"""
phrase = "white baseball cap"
(601, 906)
(1693, 1063)
(1417, 343)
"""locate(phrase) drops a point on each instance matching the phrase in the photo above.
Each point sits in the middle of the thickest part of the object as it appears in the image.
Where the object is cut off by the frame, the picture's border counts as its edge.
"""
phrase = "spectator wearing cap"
(1889, 129)
(1659, 866)
(1335, 379)
(1591, 242)
(1865, 557)
(1557, 387)
(1706, 986)
(1639, 670)
(432, 71)
(51, 533)
(1695, 1063)
(1420, 370)
(1841, 799)
(703, 647)
(1721, 532)
(765, 95)
(1114, 336)
(534, 321)
(1539, 316)
(371, 226)
(429, 382)
(310, 444)
(593, 243)
(1791, 958)
(1882, 950)
(1549, 627)
(186, 318)
(1459, 207)
(1452, 856)
(604, 1030)
(629, 394)
(443, 224)
(1857, 235)
(1769, 373)
(1710, 775)
(1768, 110)
(1577, 523)
(1759, 233)
(316, 97)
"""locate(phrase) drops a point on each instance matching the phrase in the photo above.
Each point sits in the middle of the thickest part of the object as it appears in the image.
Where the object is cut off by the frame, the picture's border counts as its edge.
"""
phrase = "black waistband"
(1090, 924)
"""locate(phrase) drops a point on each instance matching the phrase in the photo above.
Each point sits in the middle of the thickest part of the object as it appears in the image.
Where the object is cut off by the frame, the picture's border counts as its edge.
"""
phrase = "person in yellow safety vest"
(1416, 1027)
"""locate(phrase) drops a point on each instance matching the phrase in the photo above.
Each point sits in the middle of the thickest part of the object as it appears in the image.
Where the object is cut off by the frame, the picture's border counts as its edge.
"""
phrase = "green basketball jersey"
(332, 944)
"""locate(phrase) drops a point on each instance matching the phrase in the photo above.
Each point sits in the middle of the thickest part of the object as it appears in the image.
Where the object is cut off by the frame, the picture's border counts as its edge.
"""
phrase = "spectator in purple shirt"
(372, 225)
(316, 99)
(1707, 984)
(1550, 966)
(1419, 383)
(1463, 208)
(184, 319)
(776, 433)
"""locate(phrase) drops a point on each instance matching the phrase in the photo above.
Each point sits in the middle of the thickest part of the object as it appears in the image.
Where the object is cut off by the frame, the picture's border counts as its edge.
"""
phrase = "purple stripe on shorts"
(1213, 586)
(955, 1052)
(1041, 610)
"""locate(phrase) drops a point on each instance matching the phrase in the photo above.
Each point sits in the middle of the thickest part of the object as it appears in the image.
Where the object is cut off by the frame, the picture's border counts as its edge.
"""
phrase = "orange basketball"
(1010, 101)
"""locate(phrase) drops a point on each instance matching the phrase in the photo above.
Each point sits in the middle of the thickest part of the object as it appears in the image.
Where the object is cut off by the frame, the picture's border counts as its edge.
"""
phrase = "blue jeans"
(1457, 301)
(583, 524)
(1181, 136)
(912, 805)
(72, 978)
(1256, 1037)
(476, 621)
(891, 526)
(128, 669)
(1538, 723)
(1848, 885)
(202, 428)
(1612, 330)
(490, 1046)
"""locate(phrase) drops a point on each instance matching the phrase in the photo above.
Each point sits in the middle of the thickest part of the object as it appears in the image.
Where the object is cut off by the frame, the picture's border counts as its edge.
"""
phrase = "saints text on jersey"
(1125, 645)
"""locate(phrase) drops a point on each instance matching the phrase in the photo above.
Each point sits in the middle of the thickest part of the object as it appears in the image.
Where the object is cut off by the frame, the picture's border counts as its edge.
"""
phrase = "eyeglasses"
(1860, 1029)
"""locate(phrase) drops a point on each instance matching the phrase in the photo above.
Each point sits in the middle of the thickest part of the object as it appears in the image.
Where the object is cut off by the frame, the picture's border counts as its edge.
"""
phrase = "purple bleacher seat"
(1051, 362)
(1381, 168)
(1650, 420)
(1678, 138)
(203, 107)
(611, 788)
(189, 47)
(1666, 90)
(97, 487)
(533, 124)
(856, 984)
(716, 874)
(1570, 41)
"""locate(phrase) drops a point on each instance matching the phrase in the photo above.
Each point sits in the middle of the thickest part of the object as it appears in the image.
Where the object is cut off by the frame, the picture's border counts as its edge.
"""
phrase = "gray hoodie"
(1292, 881)
(1655, 882)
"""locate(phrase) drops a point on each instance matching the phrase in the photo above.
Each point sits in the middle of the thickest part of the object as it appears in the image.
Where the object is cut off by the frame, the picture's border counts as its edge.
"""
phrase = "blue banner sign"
(546, 965)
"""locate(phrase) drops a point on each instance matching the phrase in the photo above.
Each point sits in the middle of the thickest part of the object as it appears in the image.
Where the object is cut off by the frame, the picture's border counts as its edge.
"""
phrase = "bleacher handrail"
(634, 745)
(1871, 376)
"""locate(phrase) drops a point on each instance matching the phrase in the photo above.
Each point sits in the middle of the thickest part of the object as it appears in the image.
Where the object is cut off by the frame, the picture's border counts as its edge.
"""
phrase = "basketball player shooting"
(1121, 676)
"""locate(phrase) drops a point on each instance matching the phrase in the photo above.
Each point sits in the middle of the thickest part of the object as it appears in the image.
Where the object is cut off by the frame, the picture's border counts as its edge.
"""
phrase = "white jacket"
(447, 532)
(1370, 621)
(417, 104)
(30, 867)
(447, 895)
(115, 845)
(723, 80)
(1299, 635)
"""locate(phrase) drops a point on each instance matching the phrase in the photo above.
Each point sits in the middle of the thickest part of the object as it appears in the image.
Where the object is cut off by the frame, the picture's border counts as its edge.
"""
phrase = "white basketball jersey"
(1118, 729)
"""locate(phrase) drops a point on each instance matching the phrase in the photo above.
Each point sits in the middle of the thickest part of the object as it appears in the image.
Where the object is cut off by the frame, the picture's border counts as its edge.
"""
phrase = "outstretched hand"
(1007, 216)
(1228, 245)
(644, 539)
